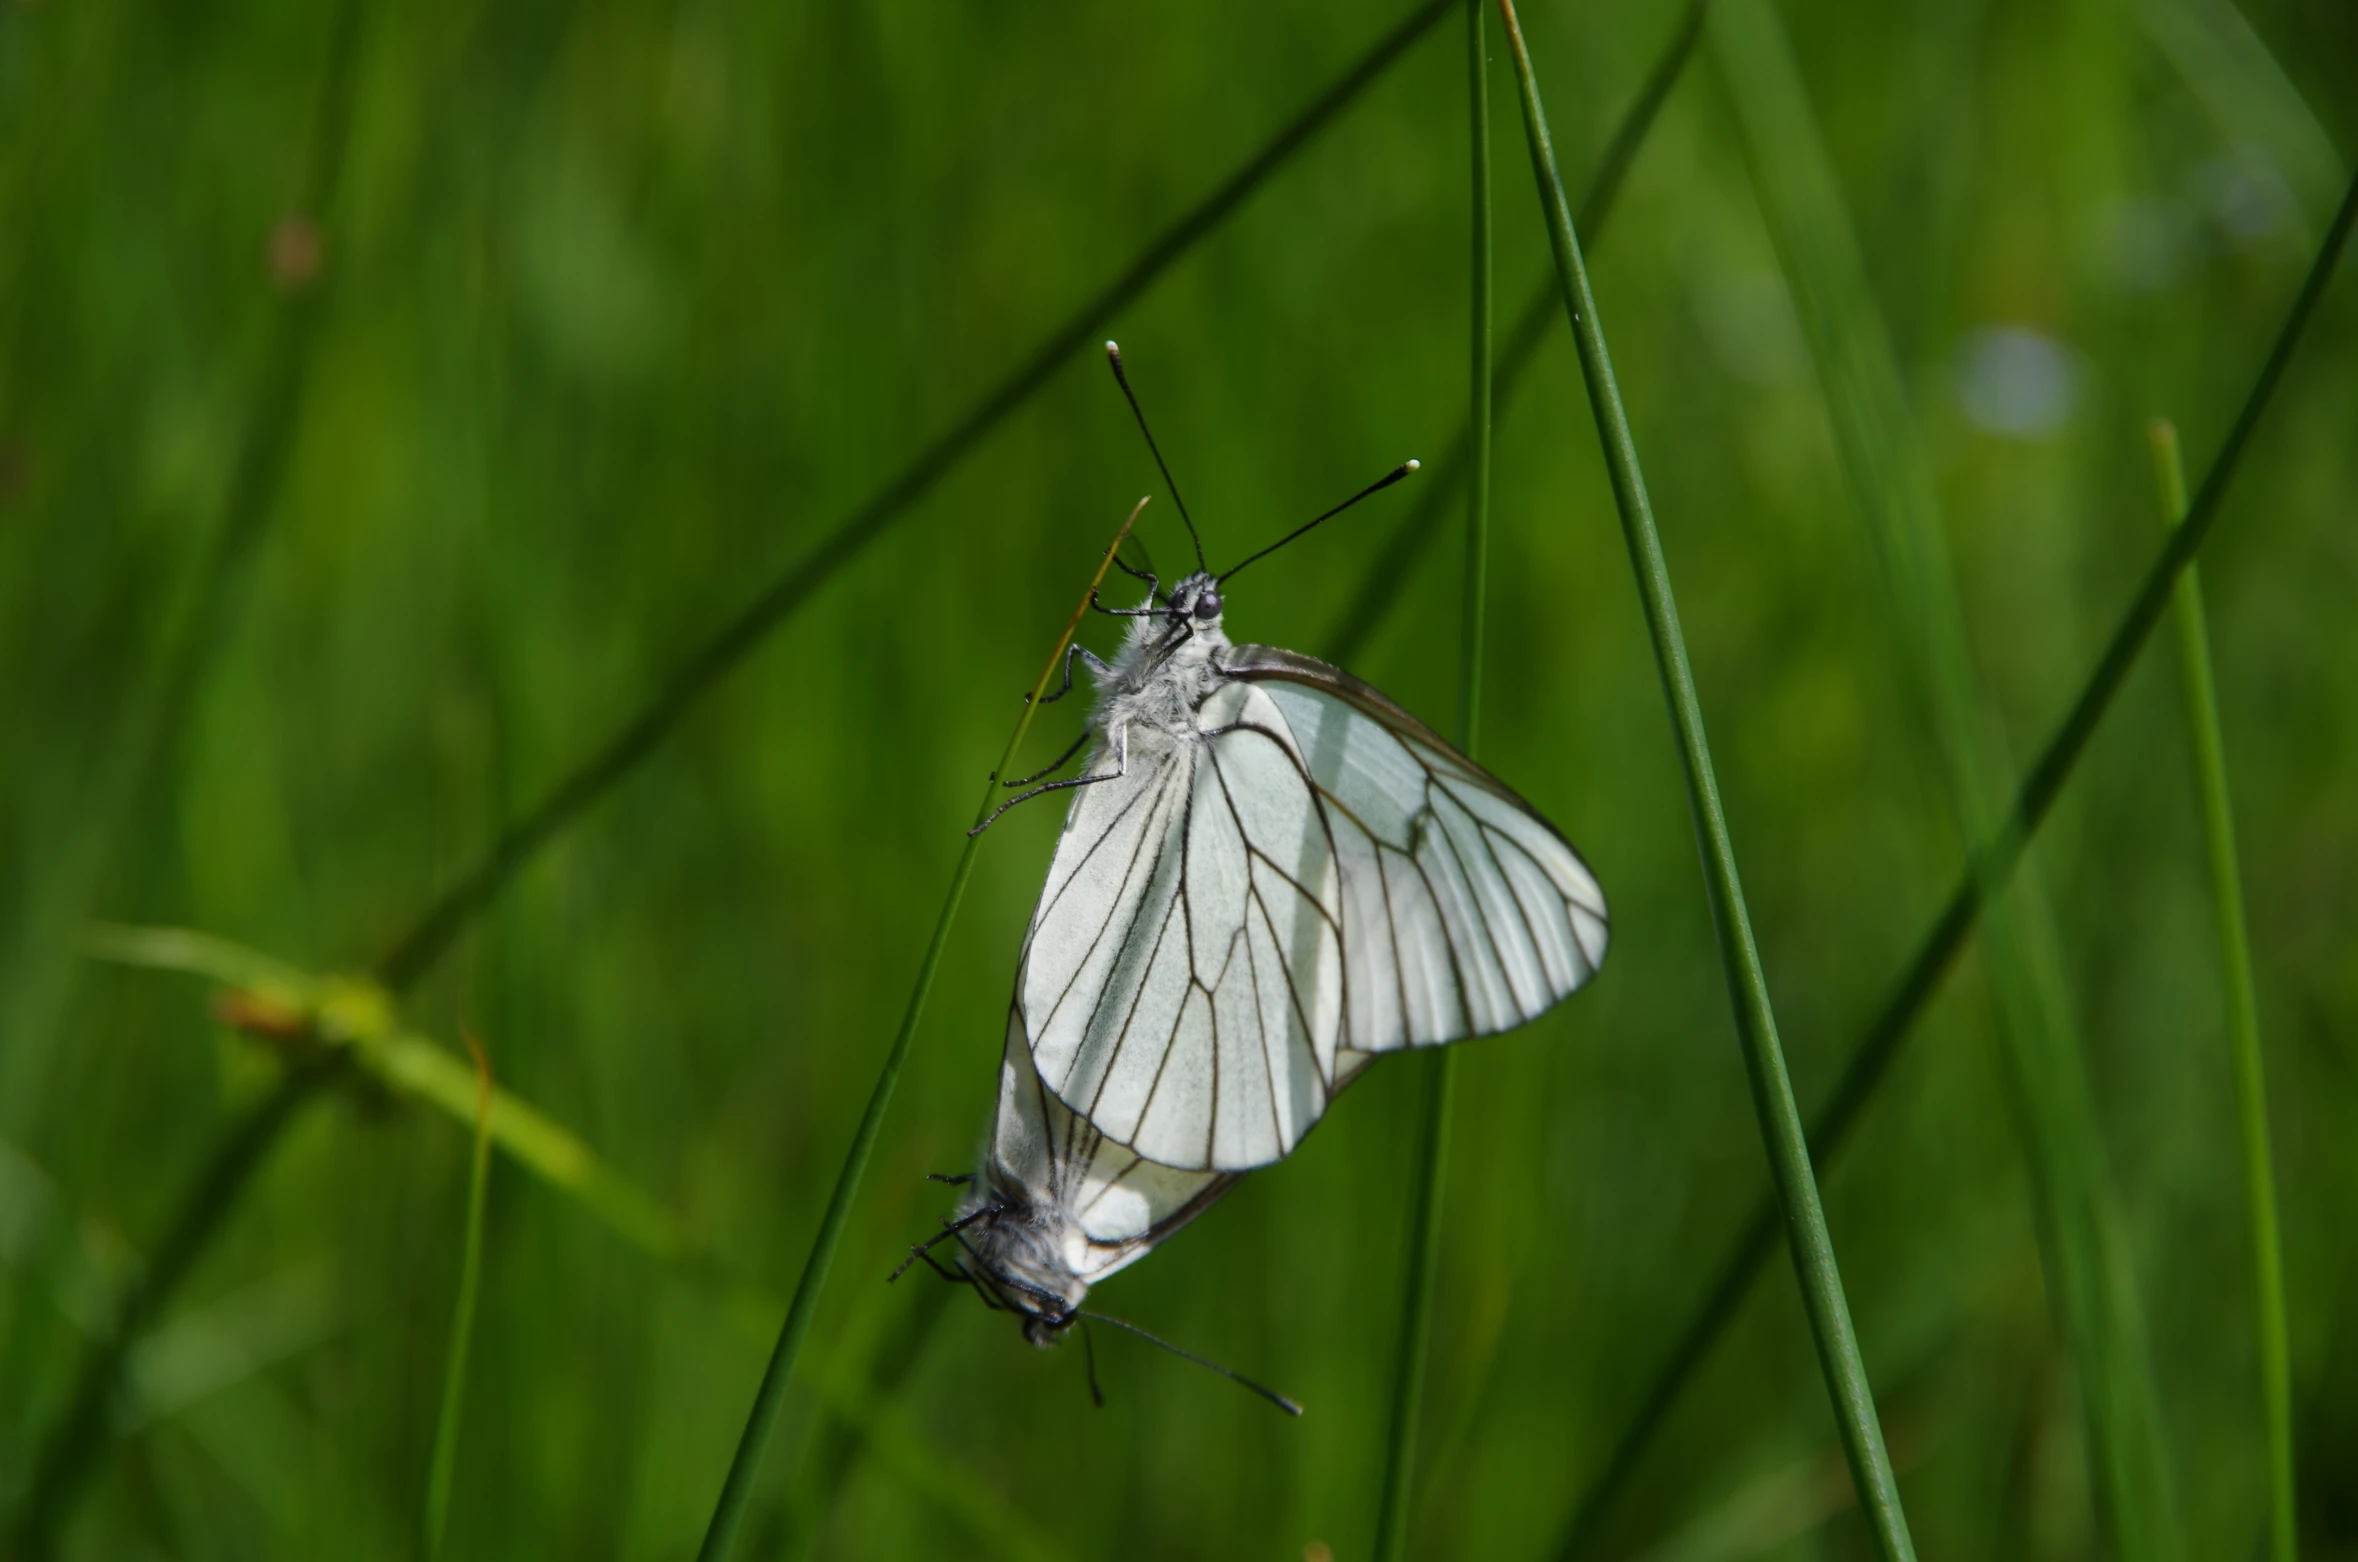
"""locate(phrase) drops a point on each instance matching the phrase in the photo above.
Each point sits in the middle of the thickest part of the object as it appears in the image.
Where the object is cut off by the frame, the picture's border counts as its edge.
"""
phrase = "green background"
(625, 306)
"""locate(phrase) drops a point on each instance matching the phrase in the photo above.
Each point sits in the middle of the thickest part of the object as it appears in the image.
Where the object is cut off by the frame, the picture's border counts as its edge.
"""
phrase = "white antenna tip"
(1414, 464)
(1113, 347)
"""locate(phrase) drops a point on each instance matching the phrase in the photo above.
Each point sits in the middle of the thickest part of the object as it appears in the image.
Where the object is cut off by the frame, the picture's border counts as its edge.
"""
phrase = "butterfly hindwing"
(1120, 1205)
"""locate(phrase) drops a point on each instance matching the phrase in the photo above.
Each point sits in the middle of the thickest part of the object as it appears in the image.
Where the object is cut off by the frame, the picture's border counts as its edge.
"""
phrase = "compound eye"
(1207, 606)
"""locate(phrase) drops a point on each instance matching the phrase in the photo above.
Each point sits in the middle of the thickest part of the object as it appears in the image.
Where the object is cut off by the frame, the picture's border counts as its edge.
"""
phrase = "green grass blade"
(737, 1487)
(2243, 1015)
(1993, 862)
(644, 732)
(1780, 1116)
(1395, 564)
(1889, 474)
(1423, 1260)
(265, 995)
(462, 1324)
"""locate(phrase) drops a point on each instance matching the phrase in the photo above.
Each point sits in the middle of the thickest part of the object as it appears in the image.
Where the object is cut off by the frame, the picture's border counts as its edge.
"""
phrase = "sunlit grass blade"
(729, 1511)
(444, 1463)
(2243, 1014)
(1422, 1262)
(354, 1022)
(1772, 1090)
(1889, 474)
(639, 736)
(1993, 861)
(1395, 564)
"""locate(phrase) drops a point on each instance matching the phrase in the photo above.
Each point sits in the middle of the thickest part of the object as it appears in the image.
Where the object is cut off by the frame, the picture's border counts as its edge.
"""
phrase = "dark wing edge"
(1257, 662)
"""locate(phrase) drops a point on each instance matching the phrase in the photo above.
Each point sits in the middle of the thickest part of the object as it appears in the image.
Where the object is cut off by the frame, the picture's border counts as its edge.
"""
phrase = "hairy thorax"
(1158, 679)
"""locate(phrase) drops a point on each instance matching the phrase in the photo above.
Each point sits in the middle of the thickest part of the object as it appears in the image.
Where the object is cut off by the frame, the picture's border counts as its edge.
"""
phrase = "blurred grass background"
(619, 309)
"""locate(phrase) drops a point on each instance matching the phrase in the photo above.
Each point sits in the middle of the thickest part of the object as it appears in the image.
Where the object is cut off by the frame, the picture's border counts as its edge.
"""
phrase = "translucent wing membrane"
(1233, 926)
(1109, 1205)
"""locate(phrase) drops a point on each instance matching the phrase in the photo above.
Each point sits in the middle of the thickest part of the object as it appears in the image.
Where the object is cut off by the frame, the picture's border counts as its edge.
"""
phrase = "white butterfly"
(1271, 874)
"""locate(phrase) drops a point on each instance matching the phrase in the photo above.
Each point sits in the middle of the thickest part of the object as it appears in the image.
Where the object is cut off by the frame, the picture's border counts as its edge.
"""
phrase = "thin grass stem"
(729, 1511)
(1772, 1090)
(1395, 564)
(1992, 863)
(444, 1463)
(638, 737)
(1423, 1260)
(2243, 1011)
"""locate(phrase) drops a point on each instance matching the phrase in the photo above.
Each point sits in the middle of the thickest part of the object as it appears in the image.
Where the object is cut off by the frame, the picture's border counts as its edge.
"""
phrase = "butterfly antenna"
(1089, 1364)
(1270, 1394)
(1113, 355)
(1376, 487)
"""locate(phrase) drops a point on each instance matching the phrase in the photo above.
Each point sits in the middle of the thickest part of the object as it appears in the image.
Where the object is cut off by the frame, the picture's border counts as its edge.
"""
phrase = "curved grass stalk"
(1424, 1230)
(1772, 1090)
(737, 1486)
(1992, 862)
(2243, 1014)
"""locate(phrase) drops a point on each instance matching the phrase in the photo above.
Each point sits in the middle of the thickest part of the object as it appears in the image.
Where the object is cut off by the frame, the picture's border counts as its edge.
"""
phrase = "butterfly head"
(1017, 1262)
(1196, 605)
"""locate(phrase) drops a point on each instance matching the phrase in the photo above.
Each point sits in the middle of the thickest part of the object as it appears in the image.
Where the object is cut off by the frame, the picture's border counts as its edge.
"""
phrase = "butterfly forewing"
(1232, 927)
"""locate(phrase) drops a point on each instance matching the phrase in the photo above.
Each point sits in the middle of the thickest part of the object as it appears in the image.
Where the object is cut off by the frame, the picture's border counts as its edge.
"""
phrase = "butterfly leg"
(950, 1228)
(1058, 786)
(955, 1271)
(1153, 585)
(1148, 611)
(1097, 667)
(1062, 760)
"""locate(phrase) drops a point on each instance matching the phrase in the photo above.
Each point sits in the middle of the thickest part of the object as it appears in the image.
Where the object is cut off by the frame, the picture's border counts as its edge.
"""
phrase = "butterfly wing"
(1233, 928)
(1182, 979)
(1119, 1205)
(1464, 912)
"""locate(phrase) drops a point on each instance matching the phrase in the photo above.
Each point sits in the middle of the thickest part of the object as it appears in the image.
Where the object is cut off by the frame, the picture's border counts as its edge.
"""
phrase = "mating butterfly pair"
(1271, 874)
